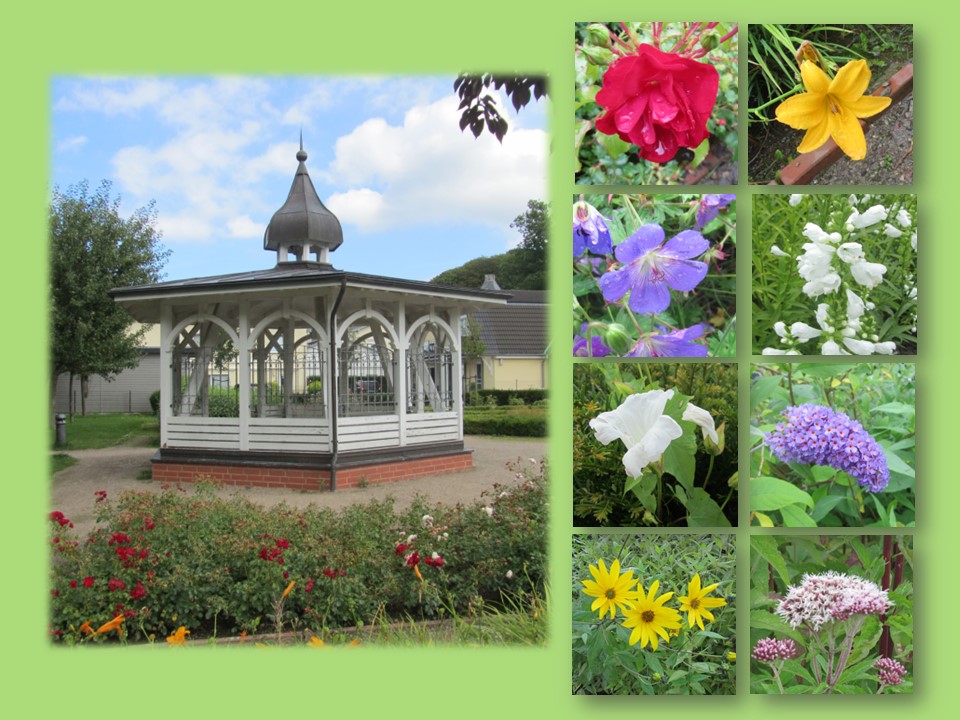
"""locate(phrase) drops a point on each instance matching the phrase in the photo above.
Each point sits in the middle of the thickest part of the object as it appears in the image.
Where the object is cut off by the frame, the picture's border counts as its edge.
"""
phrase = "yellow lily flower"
(112, 625)
(830, 108)
(179, 637)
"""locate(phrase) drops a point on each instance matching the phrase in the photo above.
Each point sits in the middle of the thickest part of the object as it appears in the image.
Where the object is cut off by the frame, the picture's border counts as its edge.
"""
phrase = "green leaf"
(768, 493)
(761, 389)
(584, 285)
(896, 408)
(766, 547)
(700, 152)
(643, 488)
(614, 146)
(897, 465)
(703, 511)
(825, 505)
(680, 458)
(795, 516)
(763, 620)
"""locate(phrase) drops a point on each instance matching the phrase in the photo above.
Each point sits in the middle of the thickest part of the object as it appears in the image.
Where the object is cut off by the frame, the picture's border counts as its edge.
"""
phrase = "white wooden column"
(454, 319)
(401, 386)
(288, 343)
(166, 371)
(243, 381)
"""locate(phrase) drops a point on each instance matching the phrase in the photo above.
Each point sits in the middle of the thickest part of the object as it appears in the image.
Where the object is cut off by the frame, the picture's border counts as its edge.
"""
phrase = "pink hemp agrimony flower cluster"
(889, 671)
(829, 597)
(770, 650)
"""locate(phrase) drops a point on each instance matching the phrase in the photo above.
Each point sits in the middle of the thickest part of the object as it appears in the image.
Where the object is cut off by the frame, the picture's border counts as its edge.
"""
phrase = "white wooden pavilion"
(304, 375)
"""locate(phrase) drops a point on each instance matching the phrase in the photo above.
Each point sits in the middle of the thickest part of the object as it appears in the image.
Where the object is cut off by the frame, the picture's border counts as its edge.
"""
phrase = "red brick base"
(310, 479)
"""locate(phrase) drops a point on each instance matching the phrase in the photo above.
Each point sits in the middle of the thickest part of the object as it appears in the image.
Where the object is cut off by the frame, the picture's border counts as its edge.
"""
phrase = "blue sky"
(415, 196)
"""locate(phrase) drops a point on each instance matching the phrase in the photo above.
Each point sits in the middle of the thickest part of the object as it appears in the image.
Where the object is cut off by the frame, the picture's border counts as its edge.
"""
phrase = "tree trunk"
(84, 389)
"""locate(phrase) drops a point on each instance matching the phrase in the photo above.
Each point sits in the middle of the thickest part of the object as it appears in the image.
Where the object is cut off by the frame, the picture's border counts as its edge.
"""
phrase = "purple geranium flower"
(651, 268)
(679, 343)
(589, 231)
(710, 206)
(593, 347)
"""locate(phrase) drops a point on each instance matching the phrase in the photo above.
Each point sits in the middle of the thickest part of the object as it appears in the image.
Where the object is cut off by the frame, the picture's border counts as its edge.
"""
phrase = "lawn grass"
(107, 430)
(59, 462)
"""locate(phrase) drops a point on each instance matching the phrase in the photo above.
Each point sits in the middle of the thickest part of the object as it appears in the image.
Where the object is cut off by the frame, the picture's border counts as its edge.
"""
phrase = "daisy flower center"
(647, 616)
(694, 604)
(611, 593)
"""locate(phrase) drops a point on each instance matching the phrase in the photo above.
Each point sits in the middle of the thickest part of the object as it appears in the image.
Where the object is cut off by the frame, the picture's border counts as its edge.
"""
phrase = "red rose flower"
(138, 592)
(658, 101)
(88, 582)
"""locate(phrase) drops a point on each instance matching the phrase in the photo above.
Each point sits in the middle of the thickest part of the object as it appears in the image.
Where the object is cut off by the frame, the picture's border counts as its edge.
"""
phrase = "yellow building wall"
(515, 373)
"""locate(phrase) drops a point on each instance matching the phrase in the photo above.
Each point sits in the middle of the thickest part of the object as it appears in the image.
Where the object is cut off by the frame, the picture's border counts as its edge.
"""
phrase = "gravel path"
(116, 469)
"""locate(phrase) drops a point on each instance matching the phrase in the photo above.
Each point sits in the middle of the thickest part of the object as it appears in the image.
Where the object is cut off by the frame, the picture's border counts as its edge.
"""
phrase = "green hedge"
(514, 421)
(502, 397)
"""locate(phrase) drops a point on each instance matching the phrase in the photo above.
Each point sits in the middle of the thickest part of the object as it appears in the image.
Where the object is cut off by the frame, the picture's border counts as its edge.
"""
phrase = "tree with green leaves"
(92, 250)
(522, 268)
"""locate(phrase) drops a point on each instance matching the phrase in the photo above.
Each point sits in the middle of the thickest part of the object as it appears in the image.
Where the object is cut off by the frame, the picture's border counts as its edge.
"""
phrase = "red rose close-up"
(658, 101)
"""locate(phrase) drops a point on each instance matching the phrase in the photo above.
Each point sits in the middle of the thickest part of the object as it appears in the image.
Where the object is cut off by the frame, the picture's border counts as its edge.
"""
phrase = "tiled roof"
(518, 328)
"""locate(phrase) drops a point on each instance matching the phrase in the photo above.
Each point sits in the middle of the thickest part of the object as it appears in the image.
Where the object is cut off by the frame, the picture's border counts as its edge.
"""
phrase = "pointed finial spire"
(301, 155)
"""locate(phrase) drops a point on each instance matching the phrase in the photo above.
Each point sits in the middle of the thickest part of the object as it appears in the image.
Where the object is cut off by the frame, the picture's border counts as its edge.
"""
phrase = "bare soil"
(116, 470)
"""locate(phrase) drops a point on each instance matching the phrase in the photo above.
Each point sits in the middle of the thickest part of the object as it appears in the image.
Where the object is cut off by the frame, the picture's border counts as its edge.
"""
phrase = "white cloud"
(245, 227)
(185, 228)
(210, 152)
(427, 171)
(72, 143)
(114, 96)
(363, 208)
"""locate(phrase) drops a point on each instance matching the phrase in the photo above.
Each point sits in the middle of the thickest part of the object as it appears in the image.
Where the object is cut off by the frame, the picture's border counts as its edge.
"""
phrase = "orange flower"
(316, 642)
(86, 629)
(354, 643)
(289, 588)
(112, 625)
(417, 571)
(243, 636)
(179, 637)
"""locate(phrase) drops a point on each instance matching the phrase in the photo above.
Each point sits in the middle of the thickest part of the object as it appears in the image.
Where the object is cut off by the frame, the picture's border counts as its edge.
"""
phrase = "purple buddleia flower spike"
(817, 435)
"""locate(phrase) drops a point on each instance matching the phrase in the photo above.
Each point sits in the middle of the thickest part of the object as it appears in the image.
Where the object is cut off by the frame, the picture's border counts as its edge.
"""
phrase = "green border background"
(110, 37)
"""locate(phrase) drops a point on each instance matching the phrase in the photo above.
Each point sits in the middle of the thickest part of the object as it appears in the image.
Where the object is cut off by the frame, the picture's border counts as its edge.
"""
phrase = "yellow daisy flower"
(830, 108)
(611, 589)
(696, 605)
(649, 618)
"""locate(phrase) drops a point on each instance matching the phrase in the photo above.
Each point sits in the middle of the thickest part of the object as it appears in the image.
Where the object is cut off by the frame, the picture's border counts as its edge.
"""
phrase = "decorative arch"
(368, 365)
(287, 373)
(204, 368)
